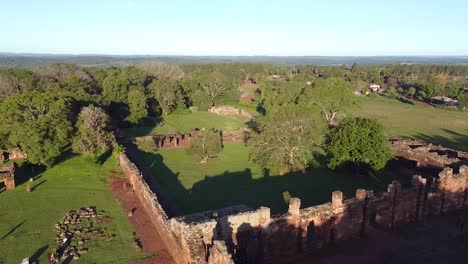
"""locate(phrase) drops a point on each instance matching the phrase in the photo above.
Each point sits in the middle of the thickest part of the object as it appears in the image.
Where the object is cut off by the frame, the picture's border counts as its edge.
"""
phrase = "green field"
(182, 123)
(232, 179)
(27, 219)
(441, 126)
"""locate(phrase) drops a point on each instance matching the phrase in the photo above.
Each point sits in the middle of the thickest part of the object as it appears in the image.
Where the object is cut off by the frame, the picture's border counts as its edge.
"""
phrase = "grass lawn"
(184, 122)
(445, 127)
(27, 219)
(231, 179)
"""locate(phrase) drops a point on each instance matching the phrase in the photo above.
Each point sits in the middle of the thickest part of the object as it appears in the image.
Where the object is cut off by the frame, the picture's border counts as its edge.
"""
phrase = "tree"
(206, 144)
(331, 95)
(38, 123)
(214, 89)
(358, 141)
(463, 101)
(162, 70)
(8, 87)
(165, 92)
(137, 105)
(392, 92)
(411, 92)
(287, 137)
(365, 90)
(115, 88)
(93, 137)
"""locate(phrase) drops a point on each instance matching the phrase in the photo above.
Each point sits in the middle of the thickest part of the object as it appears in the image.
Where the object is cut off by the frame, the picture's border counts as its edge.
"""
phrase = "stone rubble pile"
(76, 228)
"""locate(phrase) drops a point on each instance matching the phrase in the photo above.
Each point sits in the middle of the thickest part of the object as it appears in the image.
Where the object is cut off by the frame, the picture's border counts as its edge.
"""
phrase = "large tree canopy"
(137, 105)
(332, 95)
(38, 123)
(94, 137)
(358, 141)
(206, 144)
(287, 137)
(168, 94)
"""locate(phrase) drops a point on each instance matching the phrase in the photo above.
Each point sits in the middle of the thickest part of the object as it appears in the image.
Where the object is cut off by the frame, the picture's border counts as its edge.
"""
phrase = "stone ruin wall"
(177, 140)
(153, 207)
(7, 175)
(258, 237)
(242, 235)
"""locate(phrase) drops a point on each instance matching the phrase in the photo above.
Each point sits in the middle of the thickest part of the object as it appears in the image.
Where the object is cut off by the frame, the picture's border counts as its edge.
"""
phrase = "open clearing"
(440, 126)
(28, 219)
(182, 123)
(232, 178)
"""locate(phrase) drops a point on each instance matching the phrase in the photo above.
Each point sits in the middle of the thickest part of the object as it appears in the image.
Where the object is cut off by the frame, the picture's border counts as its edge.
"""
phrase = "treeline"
(45, 111)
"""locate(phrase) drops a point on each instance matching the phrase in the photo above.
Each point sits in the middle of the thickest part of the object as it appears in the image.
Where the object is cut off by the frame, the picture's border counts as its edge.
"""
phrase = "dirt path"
(145, 231)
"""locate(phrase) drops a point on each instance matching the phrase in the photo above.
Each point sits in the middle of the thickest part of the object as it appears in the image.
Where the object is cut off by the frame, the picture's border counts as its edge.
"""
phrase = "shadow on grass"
(35, 257)
(26, 171)
(13, 230)
(457, 141)
(399, 98)
(37, 185)
(239, 187)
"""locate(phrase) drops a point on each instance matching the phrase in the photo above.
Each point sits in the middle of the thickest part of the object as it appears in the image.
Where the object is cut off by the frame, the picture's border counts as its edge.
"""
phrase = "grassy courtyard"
(232, 179)
(27, 219)
(182, 123)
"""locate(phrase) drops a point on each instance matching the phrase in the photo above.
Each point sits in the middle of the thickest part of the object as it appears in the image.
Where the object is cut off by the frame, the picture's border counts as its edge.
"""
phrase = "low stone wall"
(7, 175)
(153, 208)
(171, 141)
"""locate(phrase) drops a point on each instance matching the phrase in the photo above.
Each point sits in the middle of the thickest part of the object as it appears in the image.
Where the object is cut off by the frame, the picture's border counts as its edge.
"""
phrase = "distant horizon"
(216, 55)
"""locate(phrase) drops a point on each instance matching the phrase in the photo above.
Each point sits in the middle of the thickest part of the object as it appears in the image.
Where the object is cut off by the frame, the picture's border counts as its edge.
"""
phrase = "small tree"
(411, 92)
(206, 144)
(93, 138)
(463, 101)
(392, 92)
(365, 90)
(358, 141)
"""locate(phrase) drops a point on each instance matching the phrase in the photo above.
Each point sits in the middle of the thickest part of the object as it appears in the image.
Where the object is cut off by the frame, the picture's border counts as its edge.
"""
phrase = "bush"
(358, 141)
(147, 145)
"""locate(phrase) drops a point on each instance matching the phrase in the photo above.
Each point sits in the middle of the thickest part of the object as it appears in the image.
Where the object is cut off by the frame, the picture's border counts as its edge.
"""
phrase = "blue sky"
(240, 27)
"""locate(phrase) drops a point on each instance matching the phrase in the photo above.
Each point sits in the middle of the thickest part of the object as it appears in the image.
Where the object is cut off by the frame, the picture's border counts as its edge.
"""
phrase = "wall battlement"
(239, 234)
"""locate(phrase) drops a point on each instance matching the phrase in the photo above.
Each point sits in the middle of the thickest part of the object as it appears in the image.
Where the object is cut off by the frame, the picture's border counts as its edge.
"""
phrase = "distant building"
(444, 100)
(375, 87)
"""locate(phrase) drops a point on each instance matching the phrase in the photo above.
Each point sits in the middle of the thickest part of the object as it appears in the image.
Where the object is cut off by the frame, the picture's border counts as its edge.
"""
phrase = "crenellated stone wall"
(239, 234)
(450, 191)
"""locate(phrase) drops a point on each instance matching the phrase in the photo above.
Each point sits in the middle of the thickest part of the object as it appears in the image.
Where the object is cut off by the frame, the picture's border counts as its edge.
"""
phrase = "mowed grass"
(27, 219)
(231, 179)
(182, 123)
(440, 126)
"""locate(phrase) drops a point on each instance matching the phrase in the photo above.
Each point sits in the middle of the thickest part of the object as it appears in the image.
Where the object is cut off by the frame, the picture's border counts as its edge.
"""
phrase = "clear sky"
(237, 27)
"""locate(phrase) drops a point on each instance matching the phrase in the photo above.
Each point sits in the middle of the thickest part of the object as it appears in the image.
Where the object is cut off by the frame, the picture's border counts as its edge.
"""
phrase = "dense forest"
(48, 110)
